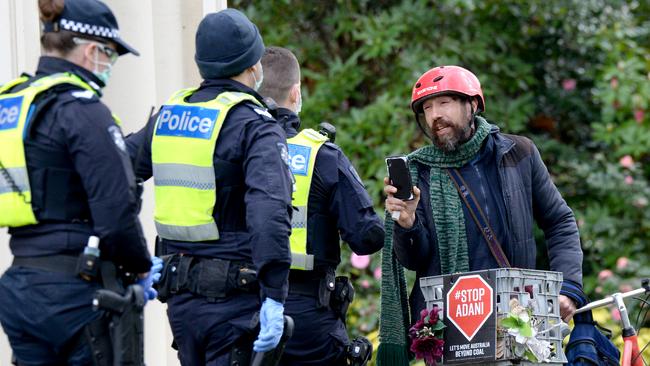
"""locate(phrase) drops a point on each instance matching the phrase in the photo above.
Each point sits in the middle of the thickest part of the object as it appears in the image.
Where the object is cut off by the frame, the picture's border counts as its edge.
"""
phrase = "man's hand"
(567, 308)
(406, 209)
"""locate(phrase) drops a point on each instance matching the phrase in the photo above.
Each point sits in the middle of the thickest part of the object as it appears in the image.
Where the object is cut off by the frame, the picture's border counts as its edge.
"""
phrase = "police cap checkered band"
(92, 18)
(90, 29)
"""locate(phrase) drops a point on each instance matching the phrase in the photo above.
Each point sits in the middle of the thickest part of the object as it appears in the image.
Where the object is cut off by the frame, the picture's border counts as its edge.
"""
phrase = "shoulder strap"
(479, 218)
(313, 135)
(10, 84)
(44, 98)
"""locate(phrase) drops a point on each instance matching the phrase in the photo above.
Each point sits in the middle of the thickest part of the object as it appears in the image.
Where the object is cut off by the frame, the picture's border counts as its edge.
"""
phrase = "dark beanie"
(227, 43)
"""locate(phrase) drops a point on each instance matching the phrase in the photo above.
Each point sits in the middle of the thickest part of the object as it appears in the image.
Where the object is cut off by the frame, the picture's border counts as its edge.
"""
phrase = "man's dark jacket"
(529, 195)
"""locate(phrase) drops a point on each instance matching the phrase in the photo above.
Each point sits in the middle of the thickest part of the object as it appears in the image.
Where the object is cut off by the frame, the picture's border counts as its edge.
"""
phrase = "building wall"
(163, 32)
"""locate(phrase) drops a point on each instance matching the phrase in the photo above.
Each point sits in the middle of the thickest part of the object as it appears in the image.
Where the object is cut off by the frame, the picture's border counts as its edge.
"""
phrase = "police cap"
(90, 17)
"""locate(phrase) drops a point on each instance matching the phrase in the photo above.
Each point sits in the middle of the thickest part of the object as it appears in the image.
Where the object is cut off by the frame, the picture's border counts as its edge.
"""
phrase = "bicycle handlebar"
(610, 299)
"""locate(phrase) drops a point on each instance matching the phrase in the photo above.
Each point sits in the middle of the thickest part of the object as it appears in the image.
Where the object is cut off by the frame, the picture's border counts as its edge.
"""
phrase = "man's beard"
(451, 141)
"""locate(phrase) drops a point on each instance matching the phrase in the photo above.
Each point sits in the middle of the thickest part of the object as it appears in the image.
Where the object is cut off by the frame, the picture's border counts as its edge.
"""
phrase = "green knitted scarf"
(449, 222)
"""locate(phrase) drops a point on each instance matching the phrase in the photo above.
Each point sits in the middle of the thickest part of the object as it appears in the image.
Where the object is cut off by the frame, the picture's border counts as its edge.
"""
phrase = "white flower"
(518, 337)
(524, 317)
(541, 349)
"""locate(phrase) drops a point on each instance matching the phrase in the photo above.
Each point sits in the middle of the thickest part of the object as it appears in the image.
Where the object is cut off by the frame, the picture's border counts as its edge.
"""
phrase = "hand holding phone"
(400, 177)
(403, 197)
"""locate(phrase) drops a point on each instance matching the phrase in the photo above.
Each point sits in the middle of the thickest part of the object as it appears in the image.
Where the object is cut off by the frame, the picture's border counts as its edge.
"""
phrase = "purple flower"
(413, 332)
(433, 315)
(417, 326)
(428, 348)
(424, 313)
(423, 342)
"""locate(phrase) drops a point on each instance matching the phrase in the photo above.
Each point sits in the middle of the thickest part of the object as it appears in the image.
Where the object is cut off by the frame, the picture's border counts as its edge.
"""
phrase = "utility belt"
(212, 278)
(52, 263)
(117, 336)
(89, 268)
(330, 291)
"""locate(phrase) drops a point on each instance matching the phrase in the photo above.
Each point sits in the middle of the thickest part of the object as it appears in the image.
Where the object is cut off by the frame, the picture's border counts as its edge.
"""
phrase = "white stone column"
(163, 32)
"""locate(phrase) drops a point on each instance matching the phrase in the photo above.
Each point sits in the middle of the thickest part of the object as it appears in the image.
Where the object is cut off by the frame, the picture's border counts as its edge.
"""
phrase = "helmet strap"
(472, 117)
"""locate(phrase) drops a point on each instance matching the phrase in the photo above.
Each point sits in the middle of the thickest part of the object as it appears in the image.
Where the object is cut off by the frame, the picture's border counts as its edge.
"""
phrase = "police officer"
(65, 175)
(223, 199)
(330, 202)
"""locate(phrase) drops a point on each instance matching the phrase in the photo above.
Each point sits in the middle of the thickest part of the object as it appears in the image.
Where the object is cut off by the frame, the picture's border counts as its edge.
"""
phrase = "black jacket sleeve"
(268, 201)
(556, 219)
(411, 246)
(358, 223)
(138, 145)
(100, 157)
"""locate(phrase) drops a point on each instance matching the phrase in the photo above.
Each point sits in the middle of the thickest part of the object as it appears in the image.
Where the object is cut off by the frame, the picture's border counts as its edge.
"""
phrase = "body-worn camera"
(359, 351)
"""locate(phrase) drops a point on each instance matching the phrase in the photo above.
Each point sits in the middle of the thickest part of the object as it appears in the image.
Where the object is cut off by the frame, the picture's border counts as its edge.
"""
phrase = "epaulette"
(85, 96)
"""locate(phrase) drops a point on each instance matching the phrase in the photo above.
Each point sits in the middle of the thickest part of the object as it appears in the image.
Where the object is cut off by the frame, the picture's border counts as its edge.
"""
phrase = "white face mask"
(102, 75)
(258, 83)
(299, 104)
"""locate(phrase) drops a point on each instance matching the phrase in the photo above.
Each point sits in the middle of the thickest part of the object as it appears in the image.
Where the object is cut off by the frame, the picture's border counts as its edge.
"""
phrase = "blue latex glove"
(153, 277)
(156, 267)
(271, 326)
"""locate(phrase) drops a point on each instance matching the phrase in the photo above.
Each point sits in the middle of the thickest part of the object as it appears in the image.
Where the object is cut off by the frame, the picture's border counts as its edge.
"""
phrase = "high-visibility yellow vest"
(182, 153)
(303, 149)
(15, 113)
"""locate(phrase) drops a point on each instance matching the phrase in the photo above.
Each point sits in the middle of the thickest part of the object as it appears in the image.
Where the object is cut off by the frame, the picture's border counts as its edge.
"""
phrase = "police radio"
(327, 129)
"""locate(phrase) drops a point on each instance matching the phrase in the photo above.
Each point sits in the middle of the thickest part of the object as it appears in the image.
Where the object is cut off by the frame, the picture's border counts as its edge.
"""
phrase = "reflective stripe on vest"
(182, 153)
(303, 149)
(15, 113)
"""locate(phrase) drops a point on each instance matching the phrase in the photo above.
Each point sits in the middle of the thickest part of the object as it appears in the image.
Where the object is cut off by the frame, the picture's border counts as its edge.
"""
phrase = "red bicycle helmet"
(446, 80)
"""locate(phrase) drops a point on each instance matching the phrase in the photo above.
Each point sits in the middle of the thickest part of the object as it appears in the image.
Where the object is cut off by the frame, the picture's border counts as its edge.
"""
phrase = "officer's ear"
(86, 52)
(255, 68)
(294, 94)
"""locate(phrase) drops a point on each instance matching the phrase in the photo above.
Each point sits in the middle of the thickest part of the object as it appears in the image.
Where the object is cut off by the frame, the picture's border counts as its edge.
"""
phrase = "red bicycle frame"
(631, 355)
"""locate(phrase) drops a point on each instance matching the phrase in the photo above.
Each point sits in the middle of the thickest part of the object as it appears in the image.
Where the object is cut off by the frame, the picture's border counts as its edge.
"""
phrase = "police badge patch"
(283, 153)
(116, 134)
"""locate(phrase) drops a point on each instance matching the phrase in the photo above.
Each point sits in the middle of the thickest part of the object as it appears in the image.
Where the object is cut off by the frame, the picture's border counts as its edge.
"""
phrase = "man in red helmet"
(511, 189)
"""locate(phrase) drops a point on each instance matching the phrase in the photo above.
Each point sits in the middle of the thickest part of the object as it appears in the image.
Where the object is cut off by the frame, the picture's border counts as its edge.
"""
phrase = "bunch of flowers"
(522, 327)
(426, 336)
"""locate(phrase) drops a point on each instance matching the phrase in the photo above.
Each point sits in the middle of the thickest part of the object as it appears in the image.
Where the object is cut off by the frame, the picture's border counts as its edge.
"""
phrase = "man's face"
(448, 118)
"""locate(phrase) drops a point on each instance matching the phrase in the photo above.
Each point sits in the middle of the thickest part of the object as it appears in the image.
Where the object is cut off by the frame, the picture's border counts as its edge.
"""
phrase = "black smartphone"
(400, 177)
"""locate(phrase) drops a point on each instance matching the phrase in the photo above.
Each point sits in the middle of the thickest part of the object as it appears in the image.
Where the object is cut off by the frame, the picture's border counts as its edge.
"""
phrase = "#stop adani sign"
(470, 317)
(469, 304)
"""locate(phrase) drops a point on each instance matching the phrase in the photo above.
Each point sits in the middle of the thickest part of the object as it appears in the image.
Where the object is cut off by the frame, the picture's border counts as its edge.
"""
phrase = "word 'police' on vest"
(186, 121)
(10, 112)
(299, 158)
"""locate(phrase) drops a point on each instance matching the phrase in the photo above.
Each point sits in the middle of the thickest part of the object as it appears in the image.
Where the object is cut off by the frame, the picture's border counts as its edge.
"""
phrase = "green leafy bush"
(574, 75)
